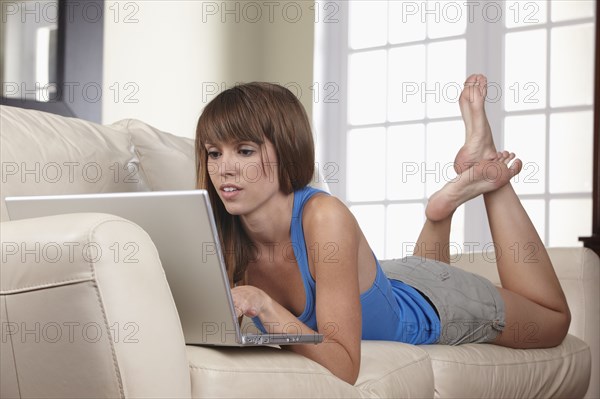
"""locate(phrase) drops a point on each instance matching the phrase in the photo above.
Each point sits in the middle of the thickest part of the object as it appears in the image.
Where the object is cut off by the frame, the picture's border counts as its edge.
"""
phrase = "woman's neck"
(271, 223)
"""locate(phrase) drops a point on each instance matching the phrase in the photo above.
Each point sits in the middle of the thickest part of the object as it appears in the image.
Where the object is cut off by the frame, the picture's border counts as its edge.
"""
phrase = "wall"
(164, 60)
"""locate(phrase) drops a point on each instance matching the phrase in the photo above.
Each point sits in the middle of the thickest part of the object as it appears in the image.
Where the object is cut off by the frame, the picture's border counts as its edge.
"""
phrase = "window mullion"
(330, 114)
(546, 238)
(479, 49)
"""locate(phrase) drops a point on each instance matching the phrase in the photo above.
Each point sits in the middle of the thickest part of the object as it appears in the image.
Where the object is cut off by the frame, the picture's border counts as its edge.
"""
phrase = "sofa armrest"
(86, 311)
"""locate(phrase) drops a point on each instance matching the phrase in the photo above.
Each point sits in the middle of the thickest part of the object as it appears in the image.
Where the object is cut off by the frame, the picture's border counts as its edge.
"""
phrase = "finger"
(238, 311)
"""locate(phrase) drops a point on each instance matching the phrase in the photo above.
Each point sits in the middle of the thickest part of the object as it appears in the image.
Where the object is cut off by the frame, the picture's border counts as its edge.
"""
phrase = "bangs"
(259, 112)
(231, 117)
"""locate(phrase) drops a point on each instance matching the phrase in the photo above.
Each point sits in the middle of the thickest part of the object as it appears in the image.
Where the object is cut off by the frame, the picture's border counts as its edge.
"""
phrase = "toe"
(483, 86)
(472, 79)
(515, 168)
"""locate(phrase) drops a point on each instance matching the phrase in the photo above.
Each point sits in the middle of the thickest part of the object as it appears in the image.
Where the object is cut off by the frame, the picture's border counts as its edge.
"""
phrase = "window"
(548, 112)
(400, 67)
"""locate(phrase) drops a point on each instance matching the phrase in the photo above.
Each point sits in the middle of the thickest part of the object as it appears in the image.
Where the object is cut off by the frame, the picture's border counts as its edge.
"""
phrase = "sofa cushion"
(490, 371)
(394, 370)
(45, 154)
(168, 161)
(388, 370)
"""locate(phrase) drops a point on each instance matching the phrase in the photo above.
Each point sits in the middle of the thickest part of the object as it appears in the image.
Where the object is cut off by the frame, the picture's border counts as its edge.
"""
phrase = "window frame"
(483, 39)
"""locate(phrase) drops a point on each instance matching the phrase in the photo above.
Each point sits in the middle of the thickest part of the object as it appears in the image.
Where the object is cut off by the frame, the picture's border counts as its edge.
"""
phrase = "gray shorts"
(470, 307)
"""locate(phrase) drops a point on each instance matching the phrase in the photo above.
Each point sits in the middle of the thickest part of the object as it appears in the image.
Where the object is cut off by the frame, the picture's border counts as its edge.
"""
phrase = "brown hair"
(253, 112)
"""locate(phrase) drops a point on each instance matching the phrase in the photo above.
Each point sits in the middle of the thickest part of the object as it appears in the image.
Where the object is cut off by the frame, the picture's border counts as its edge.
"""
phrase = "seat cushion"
(490, 371)
(388, 369)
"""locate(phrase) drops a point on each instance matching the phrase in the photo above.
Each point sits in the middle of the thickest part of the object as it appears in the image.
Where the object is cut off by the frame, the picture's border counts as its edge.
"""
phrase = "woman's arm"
(331, 232)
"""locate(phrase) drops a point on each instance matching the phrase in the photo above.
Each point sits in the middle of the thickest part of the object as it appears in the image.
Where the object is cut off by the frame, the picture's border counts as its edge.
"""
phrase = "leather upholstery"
(48, 154)
(85, 317)
(120, 334)
(490, 371)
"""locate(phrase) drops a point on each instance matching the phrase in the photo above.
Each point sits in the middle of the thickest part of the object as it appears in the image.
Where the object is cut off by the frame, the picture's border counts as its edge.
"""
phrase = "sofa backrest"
(46, 154)
(167, 161)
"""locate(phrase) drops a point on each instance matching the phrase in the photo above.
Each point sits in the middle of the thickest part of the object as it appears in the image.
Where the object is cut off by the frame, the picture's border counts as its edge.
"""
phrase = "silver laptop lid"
(182, 227)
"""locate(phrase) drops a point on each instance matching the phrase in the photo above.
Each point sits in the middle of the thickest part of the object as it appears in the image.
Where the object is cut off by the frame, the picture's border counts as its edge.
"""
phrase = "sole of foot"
(483, 177)
(479, 142)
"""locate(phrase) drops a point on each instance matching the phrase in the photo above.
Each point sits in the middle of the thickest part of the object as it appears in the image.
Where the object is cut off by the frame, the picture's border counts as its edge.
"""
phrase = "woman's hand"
(250, 301)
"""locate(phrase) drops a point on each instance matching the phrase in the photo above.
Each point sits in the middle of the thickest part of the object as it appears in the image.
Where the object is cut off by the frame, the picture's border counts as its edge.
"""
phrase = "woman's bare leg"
(485, 176)
(537, 314)
(434, 240)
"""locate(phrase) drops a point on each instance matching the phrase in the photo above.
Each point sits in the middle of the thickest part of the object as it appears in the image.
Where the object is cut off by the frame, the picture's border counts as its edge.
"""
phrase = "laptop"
(182, 226)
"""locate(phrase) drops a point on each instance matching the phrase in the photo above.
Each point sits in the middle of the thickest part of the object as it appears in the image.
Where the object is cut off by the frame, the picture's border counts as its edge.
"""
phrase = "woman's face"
(244, 174)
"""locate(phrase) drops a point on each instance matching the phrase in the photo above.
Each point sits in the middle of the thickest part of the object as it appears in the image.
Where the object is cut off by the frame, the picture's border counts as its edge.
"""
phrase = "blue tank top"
(391, 309)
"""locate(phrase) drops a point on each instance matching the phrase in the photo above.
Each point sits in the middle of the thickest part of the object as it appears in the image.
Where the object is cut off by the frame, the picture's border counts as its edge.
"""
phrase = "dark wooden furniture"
(593, 242)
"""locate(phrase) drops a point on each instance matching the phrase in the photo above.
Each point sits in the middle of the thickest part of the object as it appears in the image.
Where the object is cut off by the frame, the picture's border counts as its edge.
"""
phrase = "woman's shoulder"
(325, 208)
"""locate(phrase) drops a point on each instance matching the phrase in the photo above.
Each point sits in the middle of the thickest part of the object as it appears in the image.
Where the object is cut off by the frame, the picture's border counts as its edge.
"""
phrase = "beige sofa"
(86, 310)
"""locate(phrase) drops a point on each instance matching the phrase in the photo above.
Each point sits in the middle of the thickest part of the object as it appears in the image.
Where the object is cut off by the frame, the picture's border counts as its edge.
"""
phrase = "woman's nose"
(229, 165)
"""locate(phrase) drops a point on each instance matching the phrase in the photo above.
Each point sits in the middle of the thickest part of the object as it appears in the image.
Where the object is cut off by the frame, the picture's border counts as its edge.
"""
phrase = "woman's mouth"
(229, 191)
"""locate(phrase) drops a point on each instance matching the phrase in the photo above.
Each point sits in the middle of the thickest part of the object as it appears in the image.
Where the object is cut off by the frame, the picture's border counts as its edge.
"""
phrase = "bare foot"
(484, 176)
(479, 143)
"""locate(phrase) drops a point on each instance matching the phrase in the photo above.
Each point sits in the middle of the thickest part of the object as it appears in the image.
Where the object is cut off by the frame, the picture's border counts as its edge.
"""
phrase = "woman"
(298, 259)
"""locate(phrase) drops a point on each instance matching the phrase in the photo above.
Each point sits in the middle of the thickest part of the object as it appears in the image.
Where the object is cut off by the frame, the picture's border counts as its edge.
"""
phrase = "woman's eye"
(213, 154)
(246, 151)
